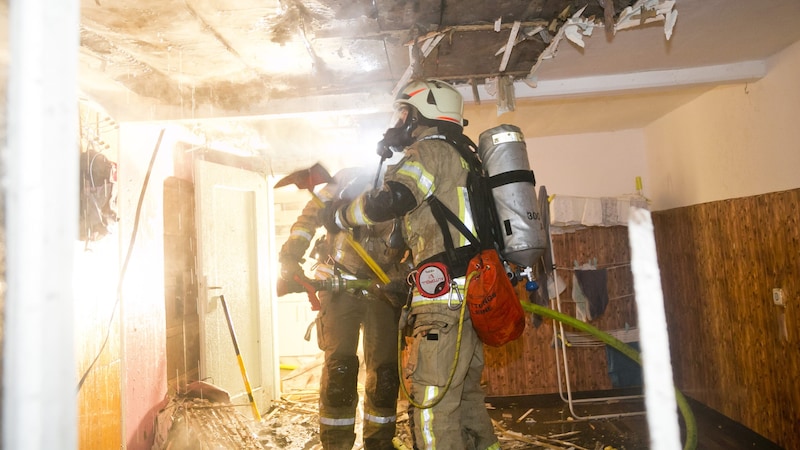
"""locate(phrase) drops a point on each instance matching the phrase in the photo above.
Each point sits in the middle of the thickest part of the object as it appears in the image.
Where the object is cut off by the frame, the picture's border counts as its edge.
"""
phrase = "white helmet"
(434, 99)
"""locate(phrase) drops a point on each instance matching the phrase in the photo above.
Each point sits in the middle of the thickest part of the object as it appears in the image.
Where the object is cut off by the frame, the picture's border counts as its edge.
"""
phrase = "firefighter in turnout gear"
(344, 312)
(444, 365)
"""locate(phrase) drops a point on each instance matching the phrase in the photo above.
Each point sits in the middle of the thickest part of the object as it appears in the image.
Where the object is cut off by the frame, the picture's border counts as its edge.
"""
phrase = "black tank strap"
(512, 176)
(455, 258)
(477, 187)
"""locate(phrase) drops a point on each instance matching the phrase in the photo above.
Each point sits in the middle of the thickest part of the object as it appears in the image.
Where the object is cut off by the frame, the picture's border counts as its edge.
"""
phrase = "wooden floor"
(548, 420)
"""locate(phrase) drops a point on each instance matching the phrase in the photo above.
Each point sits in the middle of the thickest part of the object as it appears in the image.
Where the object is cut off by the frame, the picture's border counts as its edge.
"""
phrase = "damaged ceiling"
(236, 56)
(147, 60)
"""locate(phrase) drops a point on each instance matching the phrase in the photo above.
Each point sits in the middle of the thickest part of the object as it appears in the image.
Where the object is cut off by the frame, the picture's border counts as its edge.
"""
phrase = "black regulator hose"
(683, 405)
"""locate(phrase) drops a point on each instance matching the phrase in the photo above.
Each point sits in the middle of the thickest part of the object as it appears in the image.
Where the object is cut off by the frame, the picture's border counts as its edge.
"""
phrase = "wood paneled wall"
(180, 285)
(527, 365)
(732, 348)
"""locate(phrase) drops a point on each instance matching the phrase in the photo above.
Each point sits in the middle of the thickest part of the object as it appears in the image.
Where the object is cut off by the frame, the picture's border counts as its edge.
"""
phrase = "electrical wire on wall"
(127, 258)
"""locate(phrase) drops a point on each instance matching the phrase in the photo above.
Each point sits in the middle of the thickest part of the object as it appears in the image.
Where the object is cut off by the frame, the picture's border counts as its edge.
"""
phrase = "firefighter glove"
(331, 217)
(290, 269)
(395, 292)
(284, 286)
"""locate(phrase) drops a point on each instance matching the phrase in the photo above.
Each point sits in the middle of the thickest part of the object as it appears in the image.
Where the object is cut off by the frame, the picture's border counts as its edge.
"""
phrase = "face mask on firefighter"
(398, 136)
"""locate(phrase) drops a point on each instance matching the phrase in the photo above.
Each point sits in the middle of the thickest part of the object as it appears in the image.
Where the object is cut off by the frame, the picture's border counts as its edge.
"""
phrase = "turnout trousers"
(459, 420)
(339, 322)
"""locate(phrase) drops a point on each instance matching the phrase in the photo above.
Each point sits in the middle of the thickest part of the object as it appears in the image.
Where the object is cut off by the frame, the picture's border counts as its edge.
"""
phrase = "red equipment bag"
(495, 309)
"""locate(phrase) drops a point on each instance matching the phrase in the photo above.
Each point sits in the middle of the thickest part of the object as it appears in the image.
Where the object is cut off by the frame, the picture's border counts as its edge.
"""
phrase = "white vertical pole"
(40, 179)
(662, 409)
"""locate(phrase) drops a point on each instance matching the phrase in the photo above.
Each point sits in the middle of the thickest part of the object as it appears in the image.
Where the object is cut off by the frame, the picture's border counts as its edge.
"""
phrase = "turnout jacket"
(430, 166)
(333, 250)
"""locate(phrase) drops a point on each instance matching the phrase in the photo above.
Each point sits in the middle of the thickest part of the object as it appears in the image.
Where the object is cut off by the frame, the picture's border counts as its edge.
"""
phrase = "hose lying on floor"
(683, 405)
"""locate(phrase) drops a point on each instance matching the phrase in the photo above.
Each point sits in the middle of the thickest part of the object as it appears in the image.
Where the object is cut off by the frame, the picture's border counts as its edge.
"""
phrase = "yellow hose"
(359, 249)
(400, 330)
(398, 444)
(367, 259)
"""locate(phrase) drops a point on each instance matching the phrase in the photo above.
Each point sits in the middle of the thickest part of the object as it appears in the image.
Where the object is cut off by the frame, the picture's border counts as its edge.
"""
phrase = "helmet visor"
(402, 113)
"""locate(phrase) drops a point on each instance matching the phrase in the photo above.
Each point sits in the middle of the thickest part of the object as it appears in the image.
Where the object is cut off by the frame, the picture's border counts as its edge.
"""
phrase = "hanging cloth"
(590, 293)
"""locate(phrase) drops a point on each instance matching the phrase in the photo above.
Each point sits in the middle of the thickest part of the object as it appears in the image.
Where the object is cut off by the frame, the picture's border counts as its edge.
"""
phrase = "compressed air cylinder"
(505, 160)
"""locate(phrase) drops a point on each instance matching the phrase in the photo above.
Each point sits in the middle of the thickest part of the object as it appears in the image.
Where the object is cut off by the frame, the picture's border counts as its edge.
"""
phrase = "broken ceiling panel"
(446, 62)
(648, 11)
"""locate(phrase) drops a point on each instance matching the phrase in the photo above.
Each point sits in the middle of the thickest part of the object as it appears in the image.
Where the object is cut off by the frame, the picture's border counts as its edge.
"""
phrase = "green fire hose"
(683, 405)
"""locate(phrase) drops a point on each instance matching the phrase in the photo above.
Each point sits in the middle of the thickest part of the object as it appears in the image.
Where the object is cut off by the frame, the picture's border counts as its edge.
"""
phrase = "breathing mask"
(398, 136)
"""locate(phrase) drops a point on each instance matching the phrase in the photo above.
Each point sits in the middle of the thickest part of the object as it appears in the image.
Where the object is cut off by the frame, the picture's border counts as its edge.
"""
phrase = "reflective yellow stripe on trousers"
(426, 417)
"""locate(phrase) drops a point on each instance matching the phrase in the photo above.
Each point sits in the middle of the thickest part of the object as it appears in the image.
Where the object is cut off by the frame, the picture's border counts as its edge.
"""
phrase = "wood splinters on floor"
(522, 417)
(542, 441)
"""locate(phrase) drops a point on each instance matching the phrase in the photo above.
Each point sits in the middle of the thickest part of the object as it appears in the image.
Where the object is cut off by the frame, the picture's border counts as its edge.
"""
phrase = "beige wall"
(733, 141)
(589, 165)
(586, 165)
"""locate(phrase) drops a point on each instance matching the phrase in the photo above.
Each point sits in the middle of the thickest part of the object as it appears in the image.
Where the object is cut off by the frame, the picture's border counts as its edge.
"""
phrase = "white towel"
(618, 211)
(576, 212)
(562, 211)
(592, 212)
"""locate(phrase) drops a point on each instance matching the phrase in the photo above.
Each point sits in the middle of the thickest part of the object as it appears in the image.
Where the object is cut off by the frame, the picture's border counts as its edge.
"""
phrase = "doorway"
(233, 260)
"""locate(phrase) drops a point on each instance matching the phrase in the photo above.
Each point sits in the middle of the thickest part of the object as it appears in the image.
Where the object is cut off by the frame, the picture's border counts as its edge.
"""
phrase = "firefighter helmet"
(434, 99)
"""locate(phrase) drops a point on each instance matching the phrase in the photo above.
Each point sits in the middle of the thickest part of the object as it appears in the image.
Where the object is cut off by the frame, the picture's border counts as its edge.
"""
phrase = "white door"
(234, 248)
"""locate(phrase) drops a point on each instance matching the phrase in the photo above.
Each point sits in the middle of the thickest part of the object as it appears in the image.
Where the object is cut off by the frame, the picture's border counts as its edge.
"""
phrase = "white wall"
(142, 309)
(734, 141)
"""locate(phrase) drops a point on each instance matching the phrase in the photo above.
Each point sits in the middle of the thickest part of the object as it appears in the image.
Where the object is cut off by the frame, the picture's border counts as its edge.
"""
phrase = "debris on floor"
(290, 424)
(203, 418)
(192, 421)
(550, 424)
(515, 440)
